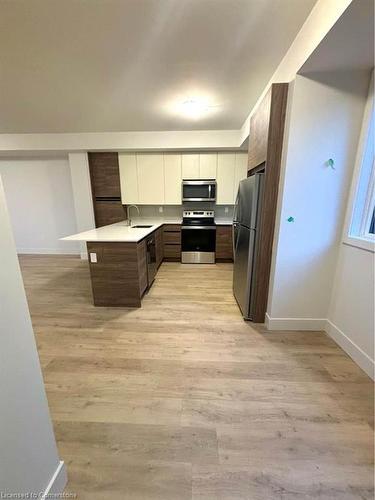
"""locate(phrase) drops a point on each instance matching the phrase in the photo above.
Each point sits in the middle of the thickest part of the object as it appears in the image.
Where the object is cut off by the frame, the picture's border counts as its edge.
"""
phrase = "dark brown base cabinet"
(119, 269)
(224, 245)
(172, 242)
(159, 250)
(119, 275)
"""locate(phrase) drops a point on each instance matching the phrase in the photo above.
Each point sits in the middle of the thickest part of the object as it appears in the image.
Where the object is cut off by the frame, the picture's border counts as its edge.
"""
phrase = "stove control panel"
(193, 214)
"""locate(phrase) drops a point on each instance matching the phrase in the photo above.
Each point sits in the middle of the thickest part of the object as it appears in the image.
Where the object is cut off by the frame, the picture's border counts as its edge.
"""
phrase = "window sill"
(362, 243)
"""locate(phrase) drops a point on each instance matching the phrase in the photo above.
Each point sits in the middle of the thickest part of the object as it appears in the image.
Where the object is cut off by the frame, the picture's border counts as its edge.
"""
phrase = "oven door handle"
(213, 228)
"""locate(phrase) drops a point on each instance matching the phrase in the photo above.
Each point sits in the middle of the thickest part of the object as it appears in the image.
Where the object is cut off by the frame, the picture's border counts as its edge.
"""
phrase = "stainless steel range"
(198, 237)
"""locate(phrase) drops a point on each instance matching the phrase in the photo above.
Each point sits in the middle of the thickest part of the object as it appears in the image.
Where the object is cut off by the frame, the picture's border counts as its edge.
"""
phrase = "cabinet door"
(159, 246)
(172, 179)
(225, 178)
(150, 168)
(108, 212)
(128, 178)
(190, 166)
(207, 165)
(104, 171)
(240, 172)
(224, 246)
(142, 266)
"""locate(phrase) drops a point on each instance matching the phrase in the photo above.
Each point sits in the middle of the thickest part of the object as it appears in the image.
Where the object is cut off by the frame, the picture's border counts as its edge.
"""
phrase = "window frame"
(363, 239)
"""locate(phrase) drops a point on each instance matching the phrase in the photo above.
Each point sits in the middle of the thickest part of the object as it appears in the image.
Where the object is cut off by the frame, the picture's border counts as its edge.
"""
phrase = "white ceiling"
(121, 65)
(349, 45)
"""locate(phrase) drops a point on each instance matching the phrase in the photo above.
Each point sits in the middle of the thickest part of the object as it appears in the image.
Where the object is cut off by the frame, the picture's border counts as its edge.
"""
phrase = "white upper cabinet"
(190, 166)
(155, 179)
(128, 178)
(225, 178)
(172, 179)
(150, 169)
(207, 165)
(240, 171)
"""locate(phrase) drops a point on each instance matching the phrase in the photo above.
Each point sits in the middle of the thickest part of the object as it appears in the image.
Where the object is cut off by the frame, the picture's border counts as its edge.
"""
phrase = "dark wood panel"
(172, 237)
(108, 212)
(224, 245)
(172, 252)
(142, 266)
(258, 138)
(115, 276)
(172, 228)
(105, 174)
(159, 246)
(279, 94)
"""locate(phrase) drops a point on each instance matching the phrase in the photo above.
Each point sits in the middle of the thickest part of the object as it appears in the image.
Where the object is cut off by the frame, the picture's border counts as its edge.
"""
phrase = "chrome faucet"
(129, 219)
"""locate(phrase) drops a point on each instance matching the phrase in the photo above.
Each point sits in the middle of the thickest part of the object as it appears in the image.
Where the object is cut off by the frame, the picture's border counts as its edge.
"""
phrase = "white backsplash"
(175, 211)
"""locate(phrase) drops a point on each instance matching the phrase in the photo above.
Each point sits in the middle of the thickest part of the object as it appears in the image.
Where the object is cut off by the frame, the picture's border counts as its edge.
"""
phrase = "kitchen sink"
(141, 226)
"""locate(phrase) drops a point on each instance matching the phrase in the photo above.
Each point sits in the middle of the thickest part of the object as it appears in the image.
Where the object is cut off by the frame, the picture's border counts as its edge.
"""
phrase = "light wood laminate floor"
(182, 399)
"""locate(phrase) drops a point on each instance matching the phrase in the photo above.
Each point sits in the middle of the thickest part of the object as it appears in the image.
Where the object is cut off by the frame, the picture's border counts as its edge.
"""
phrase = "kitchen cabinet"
(207, 165)
(190, 166)
(240, 171)
(159, 246)
(104, 174)
(225, 178)
(150, 170)
(108, 212)
(259, 128)
(172, 242)
(142, 267)
(105, 188)
(155, 179)
(231, 169)
(118, 273)
(128, 178)
(172, 179)
(199, 166)
(224, 245)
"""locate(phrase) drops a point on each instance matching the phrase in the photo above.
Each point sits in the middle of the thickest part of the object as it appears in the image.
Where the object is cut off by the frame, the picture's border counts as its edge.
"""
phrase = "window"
(360, 228)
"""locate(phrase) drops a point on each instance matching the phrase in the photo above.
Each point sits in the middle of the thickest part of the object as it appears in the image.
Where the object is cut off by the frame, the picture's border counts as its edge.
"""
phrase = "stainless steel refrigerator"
(245, 241)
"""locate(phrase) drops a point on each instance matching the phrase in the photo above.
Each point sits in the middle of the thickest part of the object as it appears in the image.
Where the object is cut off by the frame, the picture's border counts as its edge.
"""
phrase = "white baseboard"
(354, 351)
(312, 324)
(48, 251)
(57, 483)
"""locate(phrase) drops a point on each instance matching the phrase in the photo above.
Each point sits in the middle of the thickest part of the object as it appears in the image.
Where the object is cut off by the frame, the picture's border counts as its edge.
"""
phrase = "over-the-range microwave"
(199, 190)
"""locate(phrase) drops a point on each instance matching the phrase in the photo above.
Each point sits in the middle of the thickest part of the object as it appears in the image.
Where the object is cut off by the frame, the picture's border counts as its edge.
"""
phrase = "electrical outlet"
(93, 257)
(161, 210)
(226, 210)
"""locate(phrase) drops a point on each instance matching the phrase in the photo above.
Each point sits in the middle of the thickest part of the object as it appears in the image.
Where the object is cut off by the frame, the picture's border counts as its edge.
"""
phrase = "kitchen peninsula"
(124, 259)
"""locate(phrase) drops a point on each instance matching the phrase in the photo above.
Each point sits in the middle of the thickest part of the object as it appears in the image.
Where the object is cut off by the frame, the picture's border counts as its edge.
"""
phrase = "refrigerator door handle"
(234, 238)
(235, 212)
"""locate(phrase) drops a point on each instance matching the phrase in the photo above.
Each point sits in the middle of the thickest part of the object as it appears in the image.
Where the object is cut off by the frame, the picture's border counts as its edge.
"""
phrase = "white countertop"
(120, 232)
(223, 222)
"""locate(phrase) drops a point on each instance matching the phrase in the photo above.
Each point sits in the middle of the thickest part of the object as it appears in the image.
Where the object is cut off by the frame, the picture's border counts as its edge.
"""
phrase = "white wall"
(82, 195)
(28, 454)
(123, 141)
(324, 121)
(40, 201)
(351, 314)
(321, 19)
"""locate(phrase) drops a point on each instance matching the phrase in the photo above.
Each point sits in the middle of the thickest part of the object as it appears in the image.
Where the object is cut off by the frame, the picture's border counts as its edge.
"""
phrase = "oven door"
(198, 191)
(198, 244)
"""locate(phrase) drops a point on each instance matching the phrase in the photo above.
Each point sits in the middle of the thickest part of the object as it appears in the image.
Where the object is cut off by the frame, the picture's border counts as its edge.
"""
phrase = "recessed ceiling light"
(192, 107)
